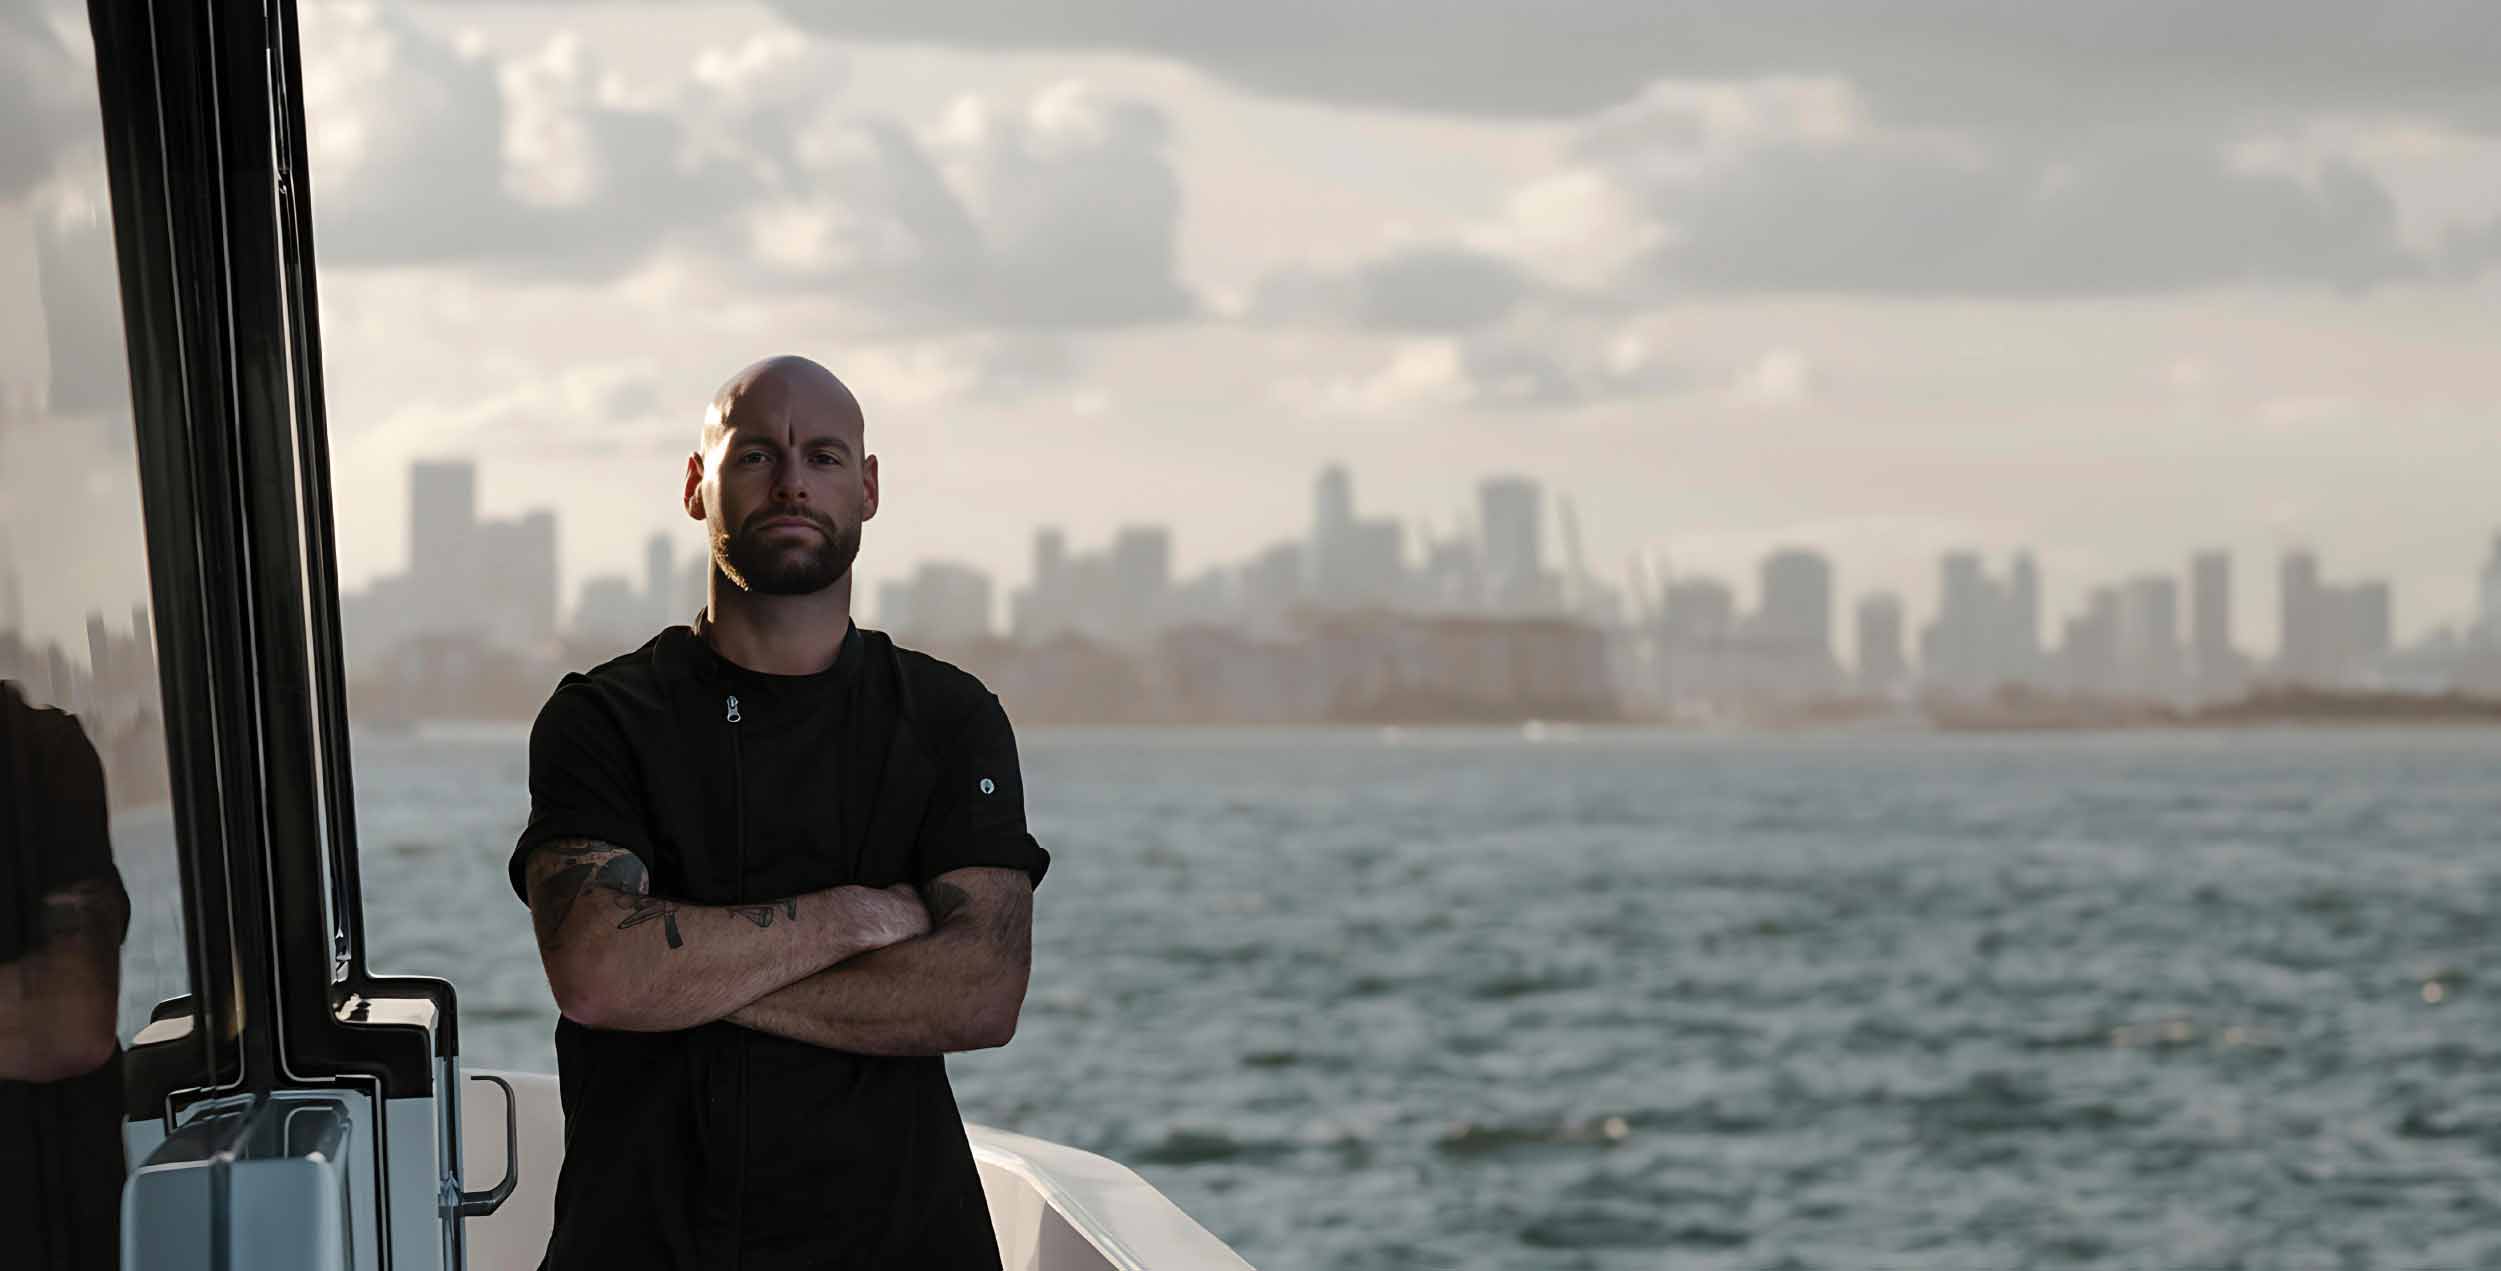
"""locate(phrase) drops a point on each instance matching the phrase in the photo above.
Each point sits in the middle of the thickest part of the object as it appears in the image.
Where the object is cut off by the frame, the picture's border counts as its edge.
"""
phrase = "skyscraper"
(660, 592)
(2020, 646)
(1882, 669)
(1141, 572)
(2213, 664)
(1050, 554)
(1511, 509)
(2300, 649)
(942, 604)
(2149, 637)
(1355, 564)
(1797, 602)
(2488, 608)
(1332, 503)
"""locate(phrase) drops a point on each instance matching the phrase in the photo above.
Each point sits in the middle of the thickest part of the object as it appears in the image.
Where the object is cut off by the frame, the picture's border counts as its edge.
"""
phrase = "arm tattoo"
(642, 909)
(762, 915)
(628, 885)
(579, 867)
(557, 892)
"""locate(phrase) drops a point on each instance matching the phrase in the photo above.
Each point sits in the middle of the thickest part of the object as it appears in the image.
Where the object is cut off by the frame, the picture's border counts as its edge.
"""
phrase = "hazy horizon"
(2114, 286)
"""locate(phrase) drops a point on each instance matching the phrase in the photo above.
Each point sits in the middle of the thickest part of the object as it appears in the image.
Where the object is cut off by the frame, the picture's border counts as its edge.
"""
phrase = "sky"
(2113, 283)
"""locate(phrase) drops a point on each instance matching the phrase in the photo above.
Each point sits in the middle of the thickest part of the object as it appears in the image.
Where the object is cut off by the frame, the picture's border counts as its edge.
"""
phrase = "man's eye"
(828, 457)
(752, 456)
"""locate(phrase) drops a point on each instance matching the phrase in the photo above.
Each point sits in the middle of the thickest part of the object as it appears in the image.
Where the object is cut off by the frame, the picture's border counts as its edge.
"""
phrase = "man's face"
(784, 494)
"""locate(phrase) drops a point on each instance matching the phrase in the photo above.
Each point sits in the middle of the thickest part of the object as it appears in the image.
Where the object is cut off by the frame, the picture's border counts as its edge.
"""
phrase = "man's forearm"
(619, 957)
(958, 988)
(935, 995)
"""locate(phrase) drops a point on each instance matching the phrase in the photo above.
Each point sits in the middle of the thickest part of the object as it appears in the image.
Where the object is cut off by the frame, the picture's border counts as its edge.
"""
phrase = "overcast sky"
(2114, 282)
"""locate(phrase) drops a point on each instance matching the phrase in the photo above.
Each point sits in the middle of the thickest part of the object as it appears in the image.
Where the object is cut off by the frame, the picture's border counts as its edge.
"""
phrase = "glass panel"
(86, 833)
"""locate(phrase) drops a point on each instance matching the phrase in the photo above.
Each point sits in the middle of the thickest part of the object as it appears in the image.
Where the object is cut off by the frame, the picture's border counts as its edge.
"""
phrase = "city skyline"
(1515, 555)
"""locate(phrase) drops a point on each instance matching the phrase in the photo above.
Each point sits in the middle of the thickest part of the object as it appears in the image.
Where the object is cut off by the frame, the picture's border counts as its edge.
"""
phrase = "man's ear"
(694, 486)
(868, 487)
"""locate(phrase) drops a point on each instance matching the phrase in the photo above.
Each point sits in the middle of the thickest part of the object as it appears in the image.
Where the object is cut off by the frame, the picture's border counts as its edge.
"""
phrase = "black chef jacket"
(719, 1146)
(60, 1141)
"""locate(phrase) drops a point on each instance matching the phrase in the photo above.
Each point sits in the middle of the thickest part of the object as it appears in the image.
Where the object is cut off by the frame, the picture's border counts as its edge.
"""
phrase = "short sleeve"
(977, 812)
(56, 819)
(582, 782)
(78, 844)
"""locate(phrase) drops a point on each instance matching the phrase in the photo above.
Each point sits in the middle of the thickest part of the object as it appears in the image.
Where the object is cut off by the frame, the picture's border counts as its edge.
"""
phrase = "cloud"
(1063, 213)
(1778, 380)
(428, 152)
(47, 95)
(1794, 185)
(1901, 219)
(2014, 66)
(1060, 212)
(1418, 289)
(1497, 372)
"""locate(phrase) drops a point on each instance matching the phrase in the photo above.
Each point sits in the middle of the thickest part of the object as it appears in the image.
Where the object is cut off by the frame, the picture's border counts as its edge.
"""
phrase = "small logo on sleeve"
(987, 786)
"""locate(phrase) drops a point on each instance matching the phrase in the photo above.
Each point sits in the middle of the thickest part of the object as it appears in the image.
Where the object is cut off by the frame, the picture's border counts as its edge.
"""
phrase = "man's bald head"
(778, 392)
(784, 480)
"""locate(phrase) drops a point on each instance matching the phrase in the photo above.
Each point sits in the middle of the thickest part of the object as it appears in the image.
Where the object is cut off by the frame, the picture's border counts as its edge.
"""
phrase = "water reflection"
(90, 917)
(63, 914)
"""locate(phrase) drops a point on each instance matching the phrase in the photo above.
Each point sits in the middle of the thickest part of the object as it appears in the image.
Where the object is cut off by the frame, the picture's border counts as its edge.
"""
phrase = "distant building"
(1271, 587)
(1511, 515)
(2149, 655)
(660, 584)
(609, 613)
(2334, 636)
(1511, 509)
(1986, 633)
(2020, 633)
(1392, 667)
(941, 605)
(513, 584)
(1797, 603)
(1699, 611)
(494, 581)
(2214, 665)
(1120, 595)
(2088, 653)
(1882, 668)
(1355, 563)
(2488, 596)
(2301, 654)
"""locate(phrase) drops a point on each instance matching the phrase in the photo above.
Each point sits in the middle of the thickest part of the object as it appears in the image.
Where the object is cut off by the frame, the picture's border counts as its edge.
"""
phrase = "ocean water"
(1365, 999)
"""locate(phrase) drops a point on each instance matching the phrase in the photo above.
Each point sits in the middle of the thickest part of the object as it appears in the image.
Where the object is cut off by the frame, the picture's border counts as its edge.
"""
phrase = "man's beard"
(785, 569)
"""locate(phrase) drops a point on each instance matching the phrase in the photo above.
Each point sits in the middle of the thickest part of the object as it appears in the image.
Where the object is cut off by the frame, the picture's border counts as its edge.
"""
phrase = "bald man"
(778, 868)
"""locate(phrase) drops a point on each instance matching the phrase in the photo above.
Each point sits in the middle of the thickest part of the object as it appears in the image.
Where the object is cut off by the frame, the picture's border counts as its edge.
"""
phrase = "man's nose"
(787, 487)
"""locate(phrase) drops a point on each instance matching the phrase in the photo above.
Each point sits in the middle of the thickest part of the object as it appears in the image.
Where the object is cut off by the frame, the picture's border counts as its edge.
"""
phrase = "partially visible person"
(62, 916)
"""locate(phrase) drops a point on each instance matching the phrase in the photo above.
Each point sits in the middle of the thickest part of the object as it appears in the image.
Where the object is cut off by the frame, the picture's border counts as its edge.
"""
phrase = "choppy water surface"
(1637, 1000)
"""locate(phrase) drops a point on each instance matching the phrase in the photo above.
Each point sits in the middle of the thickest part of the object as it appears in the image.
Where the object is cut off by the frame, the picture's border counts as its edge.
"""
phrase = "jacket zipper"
(738, 821)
